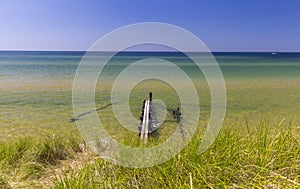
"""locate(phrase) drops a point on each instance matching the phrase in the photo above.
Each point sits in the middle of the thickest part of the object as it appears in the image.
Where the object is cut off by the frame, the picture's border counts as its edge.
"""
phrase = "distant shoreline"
(146, 53)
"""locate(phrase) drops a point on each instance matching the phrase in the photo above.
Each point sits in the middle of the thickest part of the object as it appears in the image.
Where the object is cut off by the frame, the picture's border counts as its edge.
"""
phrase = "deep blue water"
(63, 64)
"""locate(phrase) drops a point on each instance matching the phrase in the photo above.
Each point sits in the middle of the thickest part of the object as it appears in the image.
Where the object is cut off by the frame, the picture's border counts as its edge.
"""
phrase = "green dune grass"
(257, 157)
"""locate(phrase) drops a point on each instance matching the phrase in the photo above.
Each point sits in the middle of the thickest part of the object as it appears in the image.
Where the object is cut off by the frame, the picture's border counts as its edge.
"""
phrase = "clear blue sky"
(223, 25)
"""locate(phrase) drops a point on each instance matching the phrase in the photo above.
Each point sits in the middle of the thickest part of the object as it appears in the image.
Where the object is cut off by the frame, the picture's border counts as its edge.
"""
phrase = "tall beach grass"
(258, 157)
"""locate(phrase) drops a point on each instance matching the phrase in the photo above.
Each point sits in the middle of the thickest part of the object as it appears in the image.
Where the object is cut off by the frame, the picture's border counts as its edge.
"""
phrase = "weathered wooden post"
(140, 125)
(145, 126)
(177, 115)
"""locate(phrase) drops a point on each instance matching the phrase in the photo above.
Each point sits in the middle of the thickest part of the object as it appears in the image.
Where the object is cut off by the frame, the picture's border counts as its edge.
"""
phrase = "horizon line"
(147, 51)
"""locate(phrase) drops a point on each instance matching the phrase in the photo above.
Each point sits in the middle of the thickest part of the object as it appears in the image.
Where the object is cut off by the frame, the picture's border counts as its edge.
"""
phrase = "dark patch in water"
(83, 114)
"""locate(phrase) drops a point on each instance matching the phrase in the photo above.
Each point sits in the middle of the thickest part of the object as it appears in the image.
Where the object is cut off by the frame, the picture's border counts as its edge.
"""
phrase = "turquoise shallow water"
(35, 87)
(53, 65)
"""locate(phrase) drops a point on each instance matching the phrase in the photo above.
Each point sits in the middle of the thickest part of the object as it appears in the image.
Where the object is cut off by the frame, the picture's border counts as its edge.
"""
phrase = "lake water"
(35, 87)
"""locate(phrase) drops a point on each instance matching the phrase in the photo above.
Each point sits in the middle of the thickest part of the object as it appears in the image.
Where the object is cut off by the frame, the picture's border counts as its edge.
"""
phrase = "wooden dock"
(148, 120)
(146, 126)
